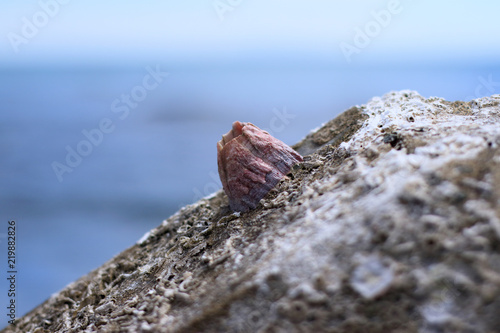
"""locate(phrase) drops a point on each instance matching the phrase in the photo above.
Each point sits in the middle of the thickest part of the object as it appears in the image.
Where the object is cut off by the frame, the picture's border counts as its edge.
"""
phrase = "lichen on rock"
(391, 224)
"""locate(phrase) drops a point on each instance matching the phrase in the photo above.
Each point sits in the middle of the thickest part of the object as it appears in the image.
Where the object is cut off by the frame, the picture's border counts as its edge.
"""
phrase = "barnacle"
(251, 162)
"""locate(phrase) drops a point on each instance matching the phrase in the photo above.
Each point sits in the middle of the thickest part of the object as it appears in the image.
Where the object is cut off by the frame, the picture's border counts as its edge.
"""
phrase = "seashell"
(251, 162)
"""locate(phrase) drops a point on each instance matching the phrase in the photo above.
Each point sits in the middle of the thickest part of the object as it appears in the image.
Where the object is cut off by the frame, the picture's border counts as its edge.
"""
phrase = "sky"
(71, 31)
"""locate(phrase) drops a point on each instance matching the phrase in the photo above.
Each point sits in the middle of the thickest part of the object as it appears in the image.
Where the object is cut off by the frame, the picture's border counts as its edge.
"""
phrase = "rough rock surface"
(391, 224)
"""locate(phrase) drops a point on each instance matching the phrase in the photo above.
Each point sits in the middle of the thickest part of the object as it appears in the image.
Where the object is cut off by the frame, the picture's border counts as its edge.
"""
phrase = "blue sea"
(92, 157)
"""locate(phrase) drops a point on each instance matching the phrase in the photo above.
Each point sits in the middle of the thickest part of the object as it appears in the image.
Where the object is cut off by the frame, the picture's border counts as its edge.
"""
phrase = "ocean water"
(86, 170)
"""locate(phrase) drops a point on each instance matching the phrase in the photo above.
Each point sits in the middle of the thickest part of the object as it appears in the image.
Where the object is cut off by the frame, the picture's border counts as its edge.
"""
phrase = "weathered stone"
(391, 224)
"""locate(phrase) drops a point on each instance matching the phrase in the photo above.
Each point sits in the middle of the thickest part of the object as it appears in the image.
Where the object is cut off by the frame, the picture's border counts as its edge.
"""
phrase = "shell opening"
(236, 131)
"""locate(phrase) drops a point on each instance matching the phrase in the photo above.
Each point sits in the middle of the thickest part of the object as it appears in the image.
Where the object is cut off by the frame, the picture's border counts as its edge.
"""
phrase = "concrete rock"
(391, 224)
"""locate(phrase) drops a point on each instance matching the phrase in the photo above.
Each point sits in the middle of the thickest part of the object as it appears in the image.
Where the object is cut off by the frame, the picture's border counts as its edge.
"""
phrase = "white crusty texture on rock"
(391, 224)
(438, 141)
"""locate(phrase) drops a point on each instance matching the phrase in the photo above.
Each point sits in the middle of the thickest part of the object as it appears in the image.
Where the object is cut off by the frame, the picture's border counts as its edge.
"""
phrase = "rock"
(391, 224)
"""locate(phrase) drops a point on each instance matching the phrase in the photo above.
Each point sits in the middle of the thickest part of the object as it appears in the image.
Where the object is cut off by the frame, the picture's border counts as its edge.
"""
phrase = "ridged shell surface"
(251, 162)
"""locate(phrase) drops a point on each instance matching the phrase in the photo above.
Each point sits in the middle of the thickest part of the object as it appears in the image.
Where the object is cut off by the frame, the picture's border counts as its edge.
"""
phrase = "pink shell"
(251, 162)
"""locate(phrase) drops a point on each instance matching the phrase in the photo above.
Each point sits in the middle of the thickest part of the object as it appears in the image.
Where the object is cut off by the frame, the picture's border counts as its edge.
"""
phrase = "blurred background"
(110, 112)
